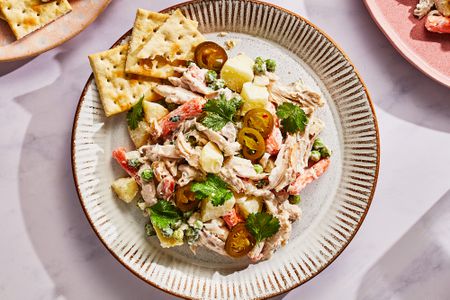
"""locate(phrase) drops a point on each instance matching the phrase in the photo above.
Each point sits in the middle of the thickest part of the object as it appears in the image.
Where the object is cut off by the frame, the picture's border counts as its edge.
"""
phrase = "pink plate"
(54, 34)
(429, 52)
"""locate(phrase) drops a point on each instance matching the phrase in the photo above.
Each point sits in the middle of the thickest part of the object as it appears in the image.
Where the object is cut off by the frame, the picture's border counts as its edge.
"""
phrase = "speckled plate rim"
(405, 51)
(71, 35)
(348, 240)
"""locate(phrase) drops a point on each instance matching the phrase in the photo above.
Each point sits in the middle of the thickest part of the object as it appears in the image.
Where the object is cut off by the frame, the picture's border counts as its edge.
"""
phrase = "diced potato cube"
(140, 135)
(254, 96)
(168, 242)
(125, 188)
(211, 158)
(153, 110)
(236, 71)
(248, 205)
(209, 211)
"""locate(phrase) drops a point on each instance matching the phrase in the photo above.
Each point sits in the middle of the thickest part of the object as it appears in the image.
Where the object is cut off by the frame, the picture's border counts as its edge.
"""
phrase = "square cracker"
(118, 90)
(176, 39)
(145, 25)
(26, 16)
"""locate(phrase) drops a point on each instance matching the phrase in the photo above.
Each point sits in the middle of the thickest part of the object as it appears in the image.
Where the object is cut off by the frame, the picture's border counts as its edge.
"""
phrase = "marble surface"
(48, 250)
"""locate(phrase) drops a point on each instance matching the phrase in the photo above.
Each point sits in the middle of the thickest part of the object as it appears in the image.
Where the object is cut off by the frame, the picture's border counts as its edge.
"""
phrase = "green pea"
(315, 156)
(134, 163)
(260, 66)
(147, 175)
(294, 199)
(217, 84)
(318, 144)
(210, 76)
(149, 230)
(325, 152)
(167, 232)
(271, 65)
(258, 168)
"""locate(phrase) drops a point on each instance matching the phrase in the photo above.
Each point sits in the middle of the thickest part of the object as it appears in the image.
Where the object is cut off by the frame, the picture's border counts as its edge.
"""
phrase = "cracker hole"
(24, 11)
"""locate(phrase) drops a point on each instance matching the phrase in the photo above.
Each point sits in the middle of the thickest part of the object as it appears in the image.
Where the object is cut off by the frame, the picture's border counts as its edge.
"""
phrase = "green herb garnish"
(262, 225)
(293, 118)
(213, 188)
(163, 214)
(135, 114)
(220, 111)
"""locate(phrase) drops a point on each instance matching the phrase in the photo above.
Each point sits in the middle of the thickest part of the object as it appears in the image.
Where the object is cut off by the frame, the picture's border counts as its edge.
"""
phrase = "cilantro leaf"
(214, 121)
(220, 111)
(293, 118)
(213, 188)
(135, 114)
(164, 213)
(262, 225)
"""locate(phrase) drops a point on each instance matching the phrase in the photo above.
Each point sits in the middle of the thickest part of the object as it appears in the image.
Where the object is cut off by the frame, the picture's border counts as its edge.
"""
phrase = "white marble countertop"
(48, 250)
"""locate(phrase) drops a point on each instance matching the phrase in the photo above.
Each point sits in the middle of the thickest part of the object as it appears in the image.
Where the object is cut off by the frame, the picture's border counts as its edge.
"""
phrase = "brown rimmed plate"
(333, 207)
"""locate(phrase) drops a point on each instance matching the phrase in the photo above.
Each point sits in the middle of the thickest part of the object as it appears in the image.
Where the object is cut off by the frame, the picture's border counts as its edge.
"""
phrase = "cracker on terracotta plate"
(26, 16)
(119, 91)
(176, 39)
(145, 25)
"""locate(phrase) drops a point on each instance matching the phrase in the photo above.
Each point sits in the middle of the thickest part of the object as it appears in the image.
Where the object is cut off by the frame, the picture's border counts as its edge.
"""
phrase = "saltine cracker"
(26, 16)
(176, 39)
(145, 25)
(119, 91)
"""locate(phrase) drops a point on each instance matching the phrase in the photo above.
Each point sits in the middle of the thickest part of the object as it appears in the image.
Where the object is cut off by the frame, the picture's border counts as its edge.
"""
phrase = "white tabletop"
(48, 250)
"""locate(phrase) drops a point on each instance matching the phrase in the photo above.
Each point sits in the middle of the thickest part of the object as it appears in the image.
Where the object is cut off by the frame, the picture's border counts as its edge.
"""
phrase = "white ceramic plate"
(334, 206)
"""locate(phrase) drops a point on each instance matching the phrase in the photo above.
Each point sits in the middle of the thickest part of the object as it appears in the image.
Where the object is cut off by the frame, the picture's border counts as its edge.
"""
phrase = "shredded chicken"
(148, 193)
(280, 238)
(193, 79)
(423, 7)
(156, 152)
(188, 174)
(228, 148)
(189, 153)
(211, 242)
(255, 254)
(172, 166)
(223, 91)
(177, 95)
(235, 183)
(243, 168)
(229, 132)
(295, 92)
(218, 228)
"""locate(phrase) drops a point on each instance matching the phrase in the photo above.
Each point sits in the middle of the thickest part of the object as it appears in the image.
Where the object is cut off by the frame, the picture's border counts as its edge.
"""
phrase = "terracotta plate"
(83, 13)
(429, 52)
(333, 207)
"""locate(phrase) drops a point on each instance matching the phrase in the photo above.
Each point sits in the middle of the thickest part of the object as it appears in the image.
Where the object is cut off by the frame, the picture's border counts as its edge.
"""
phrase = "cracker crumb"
(222, 34)
(230, 44)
